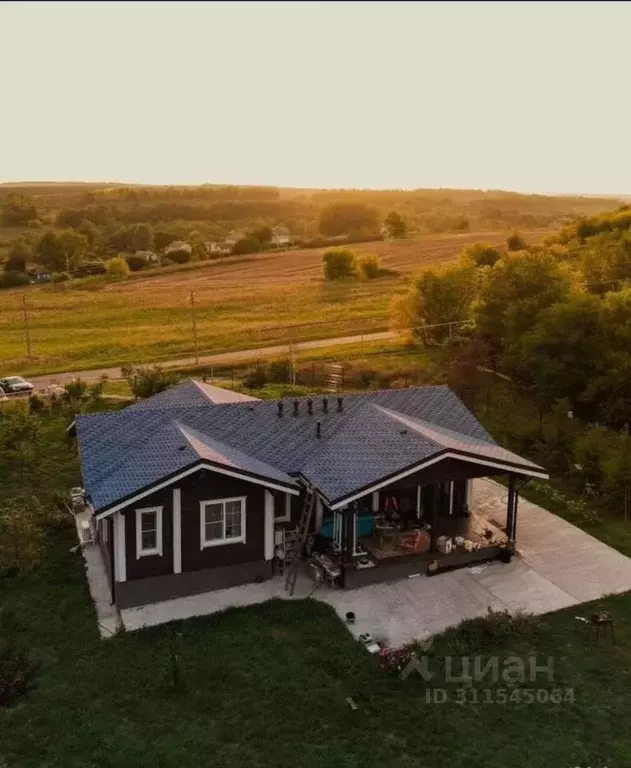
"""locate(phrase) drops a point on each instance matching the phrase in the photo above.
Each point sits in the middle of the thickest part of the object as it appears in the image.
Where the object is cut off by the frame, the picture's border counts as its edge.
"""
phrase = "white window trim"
(140, 552)
(287, 516)
(203, 544)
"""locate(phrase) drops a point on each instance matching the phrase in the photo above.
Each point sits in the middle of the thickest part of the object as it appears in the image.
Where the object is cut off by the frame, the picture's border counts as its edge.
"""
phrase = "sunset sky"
(526, 96)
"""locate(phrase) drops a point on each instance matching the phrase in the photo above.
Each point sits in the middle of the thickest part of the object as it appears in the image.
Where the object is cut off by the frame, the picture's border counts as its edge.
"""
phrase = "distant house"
(40, 277)
(150, 256)
(281, 236)
(178, 245)
(199, 488)
(219, 248)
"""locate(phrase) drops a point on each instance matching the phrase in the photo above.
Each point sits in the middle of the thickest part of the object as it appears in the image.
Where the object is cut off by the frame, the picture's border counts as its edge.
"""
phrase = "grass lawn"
(267, 686)
(240, 302)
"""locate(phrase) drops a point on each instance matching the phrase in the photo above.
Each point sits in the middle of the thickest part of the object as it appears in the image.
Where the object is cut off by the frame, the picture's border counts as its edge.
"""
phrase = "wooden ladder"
(295, 553)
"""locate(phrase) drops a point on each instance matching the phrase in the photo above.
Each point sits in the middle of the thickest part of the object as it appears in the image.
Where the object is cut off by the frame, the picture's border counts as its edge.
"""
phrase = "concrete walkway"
(559, 565)
(107, 616)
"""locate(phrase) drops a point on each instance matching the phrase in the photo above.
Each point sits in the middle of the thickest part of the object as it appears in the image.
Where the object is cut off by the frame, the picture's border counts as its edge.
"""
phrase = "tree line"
(554, 319)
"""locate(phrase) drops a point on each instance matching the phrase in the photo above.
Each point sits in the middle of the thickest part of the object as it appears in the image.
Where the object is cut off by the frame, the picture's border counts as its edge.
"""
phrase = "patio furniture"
(384, 530)
(417, 541)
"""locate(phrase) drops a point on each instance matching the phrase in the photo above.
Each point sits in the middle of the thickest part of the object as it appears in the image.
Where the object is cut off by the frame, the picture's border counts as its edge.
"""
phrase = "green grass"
(267, 686)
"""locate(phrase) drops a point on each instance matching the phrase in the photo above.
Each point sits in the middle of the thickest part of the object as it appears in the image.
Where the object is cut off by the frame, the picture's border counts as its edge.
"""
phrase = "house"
(199, 488)
(178, 245)
(281, 237)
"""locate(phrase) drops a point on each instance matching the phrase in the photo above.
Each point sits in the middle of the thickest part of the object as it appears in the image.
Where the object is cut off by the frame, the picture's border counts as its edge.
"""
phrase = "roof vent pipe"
(296, 406)
(309, 406)
(340, 403)
(318, 429)
(280, 409)
(325, 404)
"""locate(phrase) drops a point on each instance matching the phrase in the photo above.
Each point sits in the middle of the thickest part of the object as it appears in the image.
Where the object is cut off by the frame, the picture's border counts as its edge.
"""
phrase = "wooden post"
(194, 327)
(350, 518)
(510, 509)
(433, 530)
(26, 328)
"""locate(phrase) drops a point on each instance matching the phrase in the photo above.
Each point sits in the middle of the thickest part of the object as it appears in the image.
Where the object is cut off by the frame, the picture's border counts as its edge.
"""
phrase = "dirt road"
(238, 356)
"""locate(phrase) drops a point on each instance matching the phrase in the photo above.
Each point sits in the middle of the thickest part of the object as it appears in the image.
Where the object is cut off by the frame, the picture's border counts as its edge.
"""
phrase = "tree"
(437, 297)
(369, 265)
(563, 354)
(121, 240)
(179, 256)
(348, 219)
(515, 242)
(18, 210)
(19, 256)
(146, 381)
(135, 261)
(246, 245)
(117, 267)
(480, 255)
(395, 224)
(514, 291)
(339, 263)
(142, 238)
(263, 234)
(61, 250)
(617, 471)
(162, 239)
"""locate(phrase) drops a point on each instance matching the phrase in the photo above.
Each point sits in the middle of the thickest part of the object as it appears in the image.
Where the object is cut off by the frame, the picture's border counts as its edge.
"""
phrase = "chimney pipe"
(340, 403)
(309, 406)
(325, 404)
(318, 429)
(296, 406)
(280, 409)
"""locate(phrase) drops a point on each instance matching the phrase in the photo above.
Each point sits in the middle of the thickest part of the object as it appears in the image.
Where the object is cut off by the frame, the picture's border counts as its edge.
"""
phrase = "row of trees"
(554, 318)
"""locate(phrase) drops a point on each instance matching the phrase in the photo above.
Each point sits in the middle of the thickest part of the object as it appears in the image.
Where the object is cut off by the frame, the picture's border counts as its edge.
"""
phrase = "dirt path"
(239, 355)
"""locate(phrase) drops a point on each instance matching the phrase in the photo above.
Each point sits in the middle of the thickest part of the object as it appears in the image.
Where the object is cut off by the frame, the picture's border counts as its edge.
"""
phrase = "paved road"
(41, 382)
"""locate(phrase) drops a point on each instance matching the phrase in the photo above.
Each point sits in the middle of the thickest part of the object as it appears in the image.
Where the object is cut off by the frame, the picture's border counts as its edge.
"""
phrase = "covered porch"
(409, 528)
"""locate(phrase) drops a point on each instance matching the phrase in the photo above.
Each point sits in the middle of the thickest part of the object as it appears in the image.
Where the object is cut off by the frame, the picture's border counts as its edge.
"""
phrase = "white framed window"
(282, 509)
(222, 521)
(148, 531)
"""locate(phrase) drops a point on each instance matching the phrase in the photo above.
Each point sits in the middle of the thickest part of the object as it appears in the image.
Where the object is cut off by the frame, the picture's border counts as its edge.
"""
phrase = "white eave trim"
(434, 460)
(191, 471)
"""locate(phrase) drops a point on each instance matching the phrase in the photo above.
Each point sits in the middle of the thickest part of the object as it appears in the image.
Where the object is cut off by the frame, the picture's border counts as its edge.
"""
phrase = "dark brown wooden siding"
(150, 565)
(204, 486)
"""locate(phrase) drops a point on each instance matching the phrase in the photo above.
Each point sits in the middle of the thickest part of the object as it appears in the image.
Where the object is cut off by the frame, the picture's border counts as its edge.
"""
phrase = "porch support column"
(375, 501)
(120, 561)
(177, 531)
(350, 516)
(469, 499)
(319, 514)
(511, 509)
(434, 518)
(269, 525)
(451, 498)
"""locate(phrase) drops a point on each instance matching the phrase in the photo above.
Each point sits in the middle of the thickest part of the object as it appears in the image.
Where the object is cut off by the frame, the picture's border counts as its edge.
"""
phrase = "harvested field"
(240, 302)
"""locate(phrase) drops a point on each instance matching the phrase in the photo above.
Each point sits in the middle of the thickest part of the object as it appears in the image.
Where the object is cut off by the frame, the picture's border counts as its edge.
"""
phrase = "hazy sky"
(524, 96)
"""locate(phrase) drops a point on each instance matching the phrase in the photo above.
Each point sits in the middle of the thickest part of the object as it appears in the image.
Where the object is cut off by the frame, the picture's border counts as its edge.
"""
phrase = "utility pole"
(292, 364)
(26, 328)
(194, 327)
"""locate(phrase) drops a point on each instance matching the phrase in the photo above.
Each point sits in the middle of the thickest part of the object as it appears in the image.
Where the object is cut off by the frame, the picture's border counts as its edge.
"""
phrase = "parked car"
(13, 385)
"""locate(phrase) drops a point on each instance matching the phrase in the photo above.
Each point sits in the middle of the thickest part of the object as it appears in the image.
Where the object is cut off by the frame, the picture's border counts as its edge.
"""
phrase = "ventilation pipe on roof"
(325, 404)
(340, 403)
(318, 429)
(309, 406)
(280, 409)
(296, 406)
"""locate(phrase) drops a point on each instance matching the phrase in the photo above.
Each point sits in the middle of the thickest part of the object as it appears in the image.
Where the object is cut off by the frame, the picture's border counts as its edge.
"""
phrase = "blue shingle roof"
(375, 435)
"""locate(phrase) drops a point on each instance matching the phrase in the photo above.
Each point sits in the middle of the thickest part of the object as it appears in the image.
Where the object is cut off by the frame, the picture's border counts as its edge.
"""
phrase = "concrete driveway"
(559, 565)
